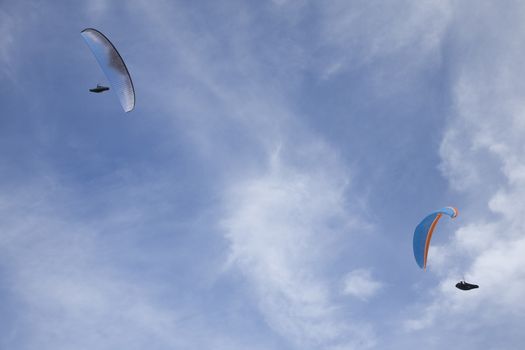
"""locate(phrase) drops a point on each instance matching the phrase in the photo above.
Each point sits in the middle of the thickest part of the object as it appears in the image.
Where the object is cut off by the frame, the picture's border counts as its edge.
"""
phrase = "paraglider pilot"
(466, 286)
(99, 89)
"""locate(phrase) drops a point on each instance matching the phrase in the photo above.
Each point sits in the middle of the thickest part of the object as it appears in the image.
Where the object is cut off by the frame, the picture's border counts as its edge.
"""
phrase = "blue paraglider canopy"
(424, 231)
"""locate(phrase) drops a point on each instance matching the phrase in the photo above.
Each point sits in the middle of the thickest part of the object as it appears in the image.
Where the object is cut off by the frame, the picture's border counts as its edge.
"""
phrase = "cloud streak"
(282, 226)
(360, 284)
(482, 158)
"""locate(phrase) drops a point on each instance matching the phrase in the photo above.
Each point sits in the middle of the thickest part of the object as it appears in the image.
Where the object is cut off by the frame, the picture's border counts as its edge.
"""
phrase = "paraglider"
(99, 89)
(423, 235)
(424, 231)
(113, 67)
(466, 286)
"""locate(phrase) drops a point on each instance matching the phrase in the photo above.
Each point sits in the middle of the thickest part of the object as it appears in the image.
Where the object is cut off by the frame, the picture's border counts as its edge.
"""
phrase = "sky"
(264, 191)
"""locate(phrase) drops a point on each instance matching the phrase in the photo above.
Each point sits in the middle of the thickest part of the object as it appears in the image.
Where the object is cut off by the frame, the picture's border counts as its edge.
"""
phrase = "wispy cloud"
(482, 156)
(74, 283)
(286, 206)
(7, 41)
(283, 193)
(242, 201)
(364, 32)
(282, 225)
(360, 284)
(68, 293)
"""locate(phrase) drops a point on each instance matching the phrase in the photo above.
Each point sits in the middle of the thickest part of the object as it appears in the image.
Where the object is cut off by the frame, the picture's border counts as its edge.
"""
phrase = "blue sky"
(264, 191)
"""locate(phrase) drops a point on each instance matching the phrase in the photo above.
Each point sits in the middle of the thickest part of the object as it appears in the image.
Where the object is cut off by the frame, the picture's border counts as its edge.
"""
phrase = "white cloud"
(360, 284)
(72, 287)
(482, 156)
(70, 295)
(282, 226)
(283, 220)
(361, 32)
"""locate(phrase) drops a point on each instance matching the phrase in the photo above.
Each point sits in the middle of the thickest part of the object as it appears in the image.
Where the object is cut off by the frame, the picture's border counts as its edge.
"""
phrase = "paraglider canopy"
(112, 65)
(424, 231)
